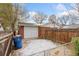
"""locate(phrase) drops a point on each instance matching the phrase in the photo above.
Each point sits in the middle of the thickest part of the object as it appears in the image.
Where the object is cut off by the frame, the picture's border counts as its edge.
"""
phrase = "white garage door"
(30, 32)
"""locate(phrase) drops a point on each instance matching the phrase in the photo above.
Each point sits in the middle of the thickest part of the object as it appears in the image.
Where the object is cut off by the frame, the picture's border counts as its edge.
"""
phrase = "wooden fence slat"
(58, 35)
(6, 44)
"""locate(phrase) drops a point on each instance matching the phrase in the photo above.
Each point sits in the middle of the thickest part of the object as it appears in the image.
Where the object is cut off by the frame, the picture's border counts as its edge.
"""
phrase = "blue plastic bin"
(17, 41)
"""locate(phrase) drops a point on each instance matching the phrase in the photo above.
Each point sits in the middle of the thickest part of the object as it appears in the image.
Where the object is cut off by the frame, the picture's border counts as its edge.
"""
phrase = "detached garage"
(28, 30)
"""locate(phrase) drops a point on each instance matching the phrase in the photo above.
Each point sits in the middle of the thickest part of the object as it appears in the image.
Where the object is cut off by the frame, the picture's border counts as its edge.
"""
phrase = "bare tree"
(73, 18)
(19, 13)
(75, 6)
(39, 17)
(10, 15)
(75, 15)
(52, 19)
(63, 20)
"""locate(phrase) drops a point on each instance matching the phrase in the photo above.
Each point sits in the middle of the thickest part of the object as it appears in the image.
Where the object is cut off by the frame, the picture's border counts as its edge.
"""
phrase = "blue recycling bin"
(17, 41)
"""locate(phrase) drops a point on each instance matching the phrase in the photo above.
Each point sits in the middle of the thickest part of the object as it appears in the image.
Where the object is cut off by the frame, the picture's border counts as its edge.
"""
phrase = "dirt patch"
(67, 50)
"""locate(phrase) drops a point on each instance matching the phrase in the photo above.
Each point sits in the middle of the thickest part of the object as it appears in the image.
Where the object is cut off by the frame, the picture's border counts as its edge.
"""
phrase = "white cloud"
(74, 15)
(61, 14)
(32, 13)
(61, 7)
(72, 12)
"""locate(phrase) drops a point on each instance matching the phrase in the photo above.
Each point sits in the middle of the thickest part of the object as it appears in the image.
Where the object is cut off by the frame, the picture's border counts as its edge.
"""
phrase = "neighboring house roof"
(73, 26)
(26, 21)
(50, 25)
(29, 23)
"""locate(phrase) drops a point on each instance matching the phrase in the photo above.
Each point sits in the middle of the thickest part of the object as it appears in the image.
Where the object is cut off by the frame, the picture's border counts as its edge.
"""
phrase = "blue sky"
(48, 8)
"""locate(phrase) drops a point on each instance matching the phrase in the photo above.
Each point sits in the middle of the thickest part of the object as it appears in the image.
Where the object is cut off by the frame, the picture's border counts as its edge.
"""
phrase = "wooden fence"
(57, 35)
(6, 44)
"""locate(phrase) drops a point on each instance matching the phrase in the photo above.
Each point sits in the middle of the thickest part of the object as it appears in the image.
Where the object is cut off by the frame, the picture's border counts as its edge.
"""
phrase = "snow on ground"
(34, 46)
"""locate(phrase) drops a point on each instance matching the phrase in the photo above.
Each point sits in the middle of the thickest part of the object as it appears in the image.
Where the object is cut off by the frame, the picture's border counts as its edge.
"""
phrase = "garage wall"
(21, 31)
(30, 32)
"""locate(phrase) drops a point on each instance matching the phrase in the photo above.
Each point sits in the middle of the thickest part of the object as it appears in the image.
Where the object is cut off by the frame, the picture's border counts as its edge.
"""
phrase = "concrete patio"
(41, 47)
(33, 46)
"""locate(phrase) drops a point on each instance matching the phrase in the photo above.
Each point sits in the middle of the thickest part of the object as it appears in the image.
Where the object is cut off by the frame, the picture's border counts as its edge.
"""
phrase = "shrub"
(75, 41)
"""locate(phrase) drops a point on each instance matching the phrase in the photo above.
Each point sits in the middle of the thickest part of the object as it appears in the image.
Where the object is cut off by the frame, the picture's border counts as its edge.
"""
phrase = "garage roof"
(27, 24)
